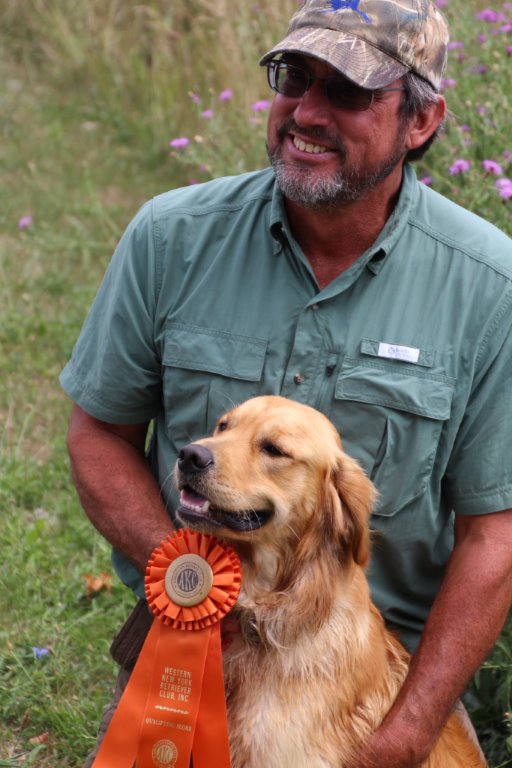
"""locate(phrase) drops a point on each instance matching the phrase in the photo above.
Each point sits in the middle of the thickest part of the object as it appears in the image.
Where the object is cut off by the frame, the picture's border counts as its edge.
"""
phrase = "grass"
(91, 95)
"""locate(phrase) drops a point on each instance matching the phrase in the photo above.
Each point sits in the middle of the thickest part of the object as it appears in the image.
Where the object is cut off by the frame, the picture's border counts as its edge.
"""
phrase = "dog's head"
(274, 475)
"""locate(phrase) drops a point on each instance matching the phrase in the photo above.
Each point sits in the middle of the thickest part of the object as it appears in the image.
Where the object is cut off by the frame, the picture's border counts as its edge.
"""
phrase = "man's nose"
(195, 458)
(313, 107)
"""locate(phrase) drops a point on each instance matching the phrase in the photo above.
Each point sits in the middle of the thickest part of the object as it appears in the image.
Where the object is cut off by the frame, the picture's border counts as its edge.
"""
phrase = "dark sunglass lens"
(291, 81)
(343, 94)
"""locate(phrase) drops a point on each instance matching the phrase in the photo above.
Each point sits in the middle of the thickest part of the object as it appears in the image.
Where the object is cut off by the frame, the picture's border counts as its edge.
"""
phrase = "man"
(333, 278)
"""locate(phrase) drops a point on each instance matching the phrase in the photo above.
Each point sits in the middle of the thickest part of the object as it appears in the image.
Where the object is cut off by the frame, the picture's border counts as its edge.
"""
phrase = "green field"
(92, 94)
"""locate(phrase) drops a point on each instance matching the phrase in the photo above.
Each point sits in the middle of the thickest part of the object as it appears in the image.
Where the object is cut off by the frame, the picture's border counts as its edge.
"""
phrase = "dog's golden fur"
(313, 670)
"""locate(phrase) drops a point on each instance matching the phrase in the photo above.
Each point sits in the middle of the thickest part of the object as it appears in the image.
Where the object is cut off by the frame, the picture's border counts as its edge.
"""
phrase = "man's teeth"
(314, 149)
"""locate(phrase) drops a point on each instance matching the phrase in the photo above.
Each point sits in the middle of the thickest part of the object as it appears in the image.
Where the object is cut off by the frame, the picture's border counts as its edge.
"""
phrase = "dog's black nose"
(194, 458)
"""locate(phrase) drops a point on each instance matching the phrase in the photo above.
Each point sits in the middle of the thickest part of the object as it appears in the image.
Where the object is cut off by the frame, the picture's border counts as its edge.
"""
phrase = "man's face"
(324, 156)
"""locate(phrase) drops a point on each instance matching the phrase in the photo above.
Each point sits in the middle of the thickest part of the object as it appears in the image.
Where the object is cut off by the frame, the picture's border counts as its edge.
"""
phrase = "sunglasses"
(293, 82)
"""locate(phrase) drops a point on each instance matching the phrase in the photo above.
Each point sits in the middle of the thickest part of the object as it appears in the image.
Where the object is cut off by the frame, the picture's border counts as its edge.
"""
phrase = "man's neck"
(333, 239)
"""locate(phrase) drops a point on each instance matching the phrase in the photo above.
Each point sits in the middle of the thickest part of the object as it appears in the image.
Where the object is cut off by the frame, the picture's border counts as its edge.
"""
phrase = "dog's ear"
(350, 496)
(336, 535)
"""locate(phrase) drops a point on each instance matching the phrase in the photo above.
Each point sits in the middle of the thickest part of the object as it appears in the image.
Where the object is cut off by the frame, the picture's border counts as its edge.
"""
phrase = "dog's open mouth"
(196, 509)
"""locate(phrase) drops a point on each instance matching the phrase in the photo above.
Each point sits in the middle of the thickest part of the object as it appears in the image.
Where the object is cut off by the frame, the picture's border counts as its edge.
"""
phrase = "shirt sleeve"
(479, 474)
(114, 373)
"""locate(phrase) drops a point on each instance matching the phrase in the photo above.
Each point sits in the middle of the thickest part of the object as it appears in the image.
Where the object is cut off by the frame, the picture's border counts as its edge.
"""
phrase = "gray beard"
(318, 191)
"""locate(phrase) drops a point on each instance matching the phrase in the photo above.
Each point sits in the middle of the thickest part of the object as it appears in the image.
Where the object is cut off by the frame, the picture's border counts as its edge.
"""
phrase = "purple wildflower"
(179, 143)
(459, 166)
(504, 187)
(448, 82)
(260, 106)
(490, 166)
(427, 180)
(482, 39)
(40, 653)
(509, 50)
(207, 114)
(454, 44)
(195, 97)
(226, 95)
(25, 221)
(489, 15)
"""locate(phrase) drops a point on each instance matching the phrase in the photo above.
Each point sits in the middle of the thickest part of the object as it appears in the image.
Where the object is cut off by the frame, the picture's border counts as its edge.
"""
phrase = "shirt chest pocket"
(391, 419)
(205, 373)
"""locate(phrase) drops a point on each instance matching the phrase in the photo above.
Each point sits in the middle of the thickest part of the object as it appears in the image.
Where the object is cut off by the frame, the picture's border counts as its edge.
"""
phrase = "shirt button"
(298, 378)
(314, 307)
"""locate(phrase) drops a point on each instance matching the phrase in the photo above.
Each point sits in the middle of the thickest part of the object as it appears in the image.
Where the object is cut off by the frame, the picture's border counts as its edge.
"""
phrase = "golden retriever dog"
(312, 670)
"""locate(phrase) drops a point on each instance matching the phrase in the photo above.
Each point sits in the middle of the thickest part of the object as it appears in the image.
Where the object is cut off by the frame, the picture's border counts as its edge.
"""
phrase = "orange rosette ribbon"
(174, 704)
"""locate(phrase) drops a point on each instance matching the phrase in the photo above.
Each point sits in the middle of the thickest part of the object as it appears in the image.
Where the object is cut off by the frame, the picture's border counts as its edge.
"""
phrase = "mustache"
(315, 132)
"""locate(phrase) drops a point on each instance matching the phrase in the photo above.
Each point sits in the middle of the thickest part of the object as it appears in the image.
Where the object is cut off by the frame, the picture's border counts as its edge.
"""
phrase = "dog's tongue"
(194, 501)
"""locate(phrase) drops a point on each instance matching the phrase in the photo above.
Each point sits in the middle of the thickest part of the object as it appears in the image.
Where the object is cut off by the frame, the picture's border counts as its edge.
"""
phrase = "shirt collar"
(278, 226)
(396, 224)
(375, 256)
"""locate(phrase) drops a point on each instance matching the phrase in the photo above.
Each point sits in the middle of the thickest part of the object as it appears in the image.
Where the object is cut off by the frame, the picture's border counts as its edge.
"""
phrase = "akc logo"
(164, 754)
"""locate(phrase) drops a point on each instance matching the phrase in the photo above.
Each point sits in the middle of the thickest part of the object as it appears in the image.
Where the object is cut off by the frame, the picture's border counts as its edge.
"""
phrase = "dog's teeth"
(194, 501)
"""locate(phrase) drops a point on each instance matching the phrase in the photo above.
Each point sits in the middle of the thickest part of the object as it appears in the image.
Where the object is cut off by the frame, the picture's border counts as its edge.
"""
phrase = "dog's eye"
(222, 425)
(271, 450)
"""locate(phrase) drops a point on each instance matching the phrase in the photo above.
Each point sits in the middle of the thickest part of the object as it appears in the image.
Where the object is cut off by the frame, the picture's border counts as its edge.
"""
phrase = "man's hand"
(393, 746)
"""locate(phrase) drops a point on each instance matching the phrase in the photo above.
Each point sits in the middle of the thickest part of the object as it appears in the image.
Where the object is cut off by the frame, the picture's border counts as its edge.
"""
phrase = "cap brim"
(361, 62)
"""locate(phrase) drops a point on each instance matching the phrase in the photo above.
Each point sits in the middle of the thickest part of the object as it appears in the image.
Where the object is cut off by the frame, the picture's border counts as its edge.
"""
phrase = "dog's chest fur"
(270, 714)
(286, 705)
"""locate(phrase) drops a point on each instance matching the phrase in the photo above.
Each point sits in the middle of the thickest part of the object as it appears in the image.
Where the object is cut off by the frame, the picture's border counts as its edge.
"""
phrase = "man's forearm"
(116, 487)
(465, 621)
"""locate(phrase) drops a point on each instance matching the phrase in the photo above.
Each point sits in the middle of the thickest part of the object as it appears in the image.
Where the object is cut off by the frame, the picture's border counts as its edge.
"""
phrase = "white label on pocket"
(396, 352)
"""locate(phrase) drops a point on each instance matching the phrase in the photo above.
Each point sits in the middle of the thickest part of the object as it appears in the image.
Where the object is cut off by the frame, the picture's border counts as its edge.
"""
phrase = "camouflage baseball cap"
(372, 42)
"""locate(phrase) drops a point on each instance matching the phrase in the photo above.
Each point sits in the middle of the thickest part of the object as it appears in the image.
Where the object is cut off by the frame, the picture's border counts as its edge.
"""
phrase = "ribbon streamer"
(174, 703)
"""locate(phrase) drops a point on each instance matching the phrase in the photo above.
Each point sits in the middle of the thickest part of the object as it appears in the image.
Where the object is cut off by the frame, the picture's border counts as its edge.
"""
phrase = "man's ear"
(423, 124)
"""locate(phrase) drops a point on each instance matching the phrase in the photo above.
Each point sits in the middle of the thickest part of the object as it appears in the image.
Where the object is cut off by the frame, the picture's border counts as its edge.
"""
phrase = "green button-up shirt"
(209, 301)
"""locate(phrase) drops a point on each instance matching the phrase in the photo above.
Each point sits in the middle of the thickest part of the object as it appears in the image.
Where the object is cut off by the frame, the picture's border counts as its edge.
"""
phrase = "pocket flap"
(207, 349)
(427, 395)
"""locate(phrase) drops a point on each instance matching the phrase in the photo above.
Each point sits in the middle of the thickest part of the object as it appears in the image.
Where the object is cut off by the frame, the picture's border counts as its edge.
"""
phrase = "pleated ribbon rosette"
(174, 704)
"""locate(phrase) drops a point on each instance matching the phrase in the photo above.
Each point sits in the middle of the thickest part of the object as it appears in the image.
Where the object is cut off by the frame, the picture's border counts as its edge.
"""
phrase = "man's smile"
(309, 147)
(310, 141)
